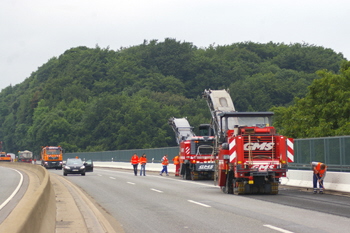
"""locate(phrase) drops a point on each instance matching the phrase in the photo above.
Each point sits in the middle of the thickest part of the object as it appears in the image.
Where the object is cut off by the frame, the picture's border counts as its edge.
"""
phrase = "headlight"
(82, 167)
(66, 167)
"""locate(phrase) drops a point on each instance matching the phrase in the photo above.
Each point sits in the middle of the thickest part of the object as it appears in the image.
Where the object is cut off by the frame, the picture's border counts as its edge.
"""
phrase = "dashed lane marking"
(278, 229)
(198, 203)
(156, 190)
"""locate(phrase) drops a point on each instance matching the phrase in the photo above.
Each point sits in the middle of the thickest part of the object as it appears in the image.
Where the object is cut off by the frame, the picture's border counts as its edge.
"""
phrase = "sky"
(34, 31)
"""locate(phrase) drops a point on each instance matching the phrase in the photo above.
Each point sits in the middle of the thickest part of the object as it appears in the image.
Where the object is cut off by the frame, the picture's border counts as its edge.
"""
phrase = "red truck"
(251, 157)
(196, 152)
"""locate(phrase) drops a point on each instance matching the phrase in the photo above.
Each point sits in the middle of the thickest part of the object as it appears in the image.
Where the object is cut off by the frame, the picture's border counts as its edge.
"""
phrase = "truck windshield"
(254, 121)
(53, 152)
(230, 123)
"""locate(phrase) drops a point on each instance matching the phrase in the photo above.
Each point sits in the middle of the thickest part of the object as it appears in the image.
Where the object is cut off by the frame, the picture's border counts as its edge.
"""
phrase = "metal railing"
(333, 151)
(153, 155)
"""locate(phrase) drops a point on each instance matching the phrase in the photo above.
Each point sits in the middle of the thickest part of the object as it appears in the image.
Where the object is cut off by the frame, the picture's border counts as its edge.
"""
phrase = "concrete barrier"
(125, 165)
(36, 212)
(336, 181)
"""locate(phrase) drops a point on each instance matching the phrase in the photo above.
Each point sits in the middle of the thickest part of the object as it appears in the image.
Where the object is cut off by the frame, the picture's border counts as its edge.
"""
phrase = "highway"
(13, 185)
(154, 203)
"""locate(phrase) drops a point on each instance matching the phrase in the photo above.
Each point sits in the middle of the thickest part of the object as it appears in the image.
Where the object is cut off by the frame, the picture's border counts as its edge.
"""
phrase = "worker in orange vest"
(177, 165)
(143, 161)
(319, 170)
(165, 163)
(135, 162)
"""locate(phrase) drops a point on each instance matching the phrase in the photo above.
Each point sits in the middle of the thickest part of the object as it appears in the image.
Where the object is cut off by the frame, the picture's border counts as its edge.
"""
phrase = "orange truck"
(4, 157)
(52, 157)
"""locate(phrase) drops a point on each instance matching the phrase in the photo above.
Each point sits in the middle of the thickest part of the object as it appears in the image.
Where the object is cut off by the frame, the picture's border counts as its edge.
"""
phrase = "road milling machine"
(250, 156)
(196, 153)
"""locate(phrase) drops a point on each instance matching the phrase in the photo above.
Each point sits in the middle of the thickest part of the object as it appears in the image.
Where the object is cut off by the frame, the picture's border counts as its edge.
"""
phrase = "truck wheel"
(240, 188)
(229, 184)
(187, 173)
(274, 188)
(194, 175)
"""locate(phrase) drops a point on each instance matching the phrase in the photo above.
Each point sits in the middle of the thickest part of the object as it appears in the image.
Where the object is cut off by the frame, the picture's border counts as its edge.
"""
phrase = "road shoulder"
(77, 212)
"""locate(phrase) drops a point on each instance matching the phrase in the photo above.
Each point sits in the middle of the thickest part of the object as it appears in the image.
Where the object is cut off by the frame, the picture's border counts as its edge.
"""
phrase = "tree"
(325, 110)
(98, 99)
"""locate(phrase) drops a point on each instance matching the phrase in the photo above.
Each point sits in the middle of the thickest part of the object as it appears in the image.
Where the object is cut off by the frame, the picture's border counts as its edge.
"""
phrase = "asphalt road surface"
(13, 184)
(155, 203)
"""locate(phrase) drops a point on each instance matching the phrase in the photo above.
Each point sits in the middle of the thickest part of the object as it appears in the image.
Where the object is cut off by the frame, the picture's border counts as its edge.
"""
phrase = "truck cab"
(52, 157)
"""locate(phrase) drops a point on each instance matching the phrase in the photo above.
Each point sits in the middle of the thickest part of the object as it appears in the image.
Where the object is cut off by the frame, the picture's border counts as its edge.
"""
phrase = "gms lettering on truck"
(52, 157)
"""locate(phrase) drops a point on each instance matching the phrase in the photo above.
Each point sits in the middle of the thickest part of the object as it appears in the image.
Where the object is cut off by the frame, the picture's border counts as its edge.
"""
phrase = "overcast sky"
(33, 31)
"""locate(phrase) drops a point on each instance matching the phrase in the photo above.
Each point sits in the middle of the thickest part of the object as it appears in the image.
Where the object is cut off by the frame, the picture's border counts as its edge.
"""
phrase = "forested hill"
(95, 99)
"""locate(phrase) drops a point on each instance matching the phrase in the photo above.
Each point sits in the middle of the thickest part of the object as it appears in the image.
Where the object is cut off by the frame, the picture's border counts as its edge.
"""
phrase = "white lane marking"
(14, 192)
(112, 178)
(198, 203)
(156, 190)
(278, 229)
(130, 183)
(176, 180)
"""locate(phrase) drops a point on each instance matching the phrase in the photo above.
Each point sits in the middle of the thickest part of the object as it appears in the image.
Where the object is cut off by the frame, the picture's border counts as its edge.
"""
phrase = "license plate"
(75, 170)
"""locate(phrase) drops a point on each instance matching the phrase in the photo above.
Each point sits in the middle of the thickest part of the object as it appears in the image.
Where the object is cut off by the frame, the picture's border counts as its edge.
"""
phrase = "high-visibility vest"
(165, 161)
(134, 159)
(143, 160)
(176, 160)
(318, 169)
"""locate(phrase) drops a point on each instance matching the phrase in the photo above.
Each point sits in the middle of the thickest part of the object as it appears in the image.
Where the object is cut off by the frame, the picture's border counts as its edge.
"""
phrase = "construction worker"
(135, 162)
(319, 170)
(165, 163)
(143, 161)
(177, 165)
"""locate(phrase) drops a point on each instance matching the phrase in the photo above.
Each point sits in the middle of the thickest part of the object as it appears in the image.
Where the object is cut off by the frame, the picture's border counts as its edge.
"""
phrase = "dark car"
(74, 166)
(89, 165)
